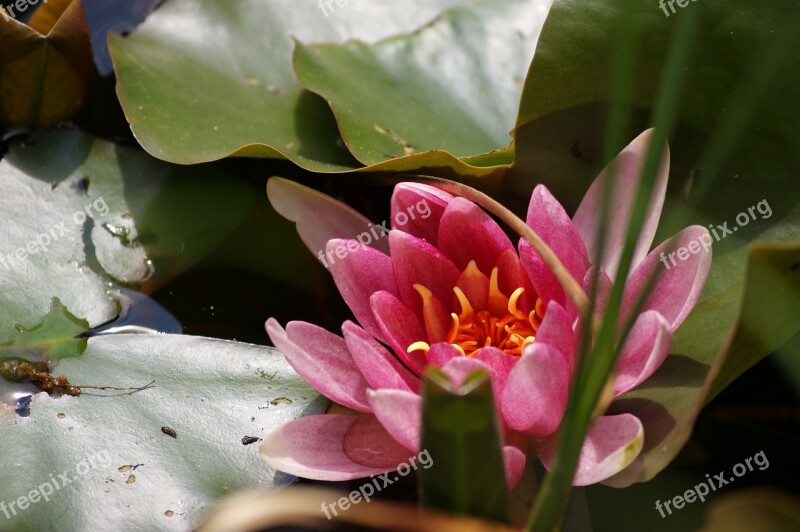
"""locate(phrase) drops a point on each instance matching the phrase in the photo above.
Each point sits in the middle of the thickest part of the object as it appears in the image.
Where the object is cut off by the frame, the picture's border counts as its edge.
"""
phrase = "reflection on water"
(117, 16)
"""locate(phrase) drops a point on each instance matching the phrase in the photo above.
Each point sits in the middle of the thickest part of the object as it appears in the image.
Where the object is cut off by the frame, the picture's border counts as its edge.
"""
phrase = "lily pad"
(46, 68)
(188, 100)
(123, 471)
(453, 85)
(78, 214)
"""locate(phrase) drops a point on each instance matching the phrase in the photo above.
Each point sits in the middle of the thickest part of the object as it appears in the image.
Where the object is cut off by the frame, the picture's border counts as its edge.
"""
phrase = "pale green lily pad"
(78, 213)
(210, 393)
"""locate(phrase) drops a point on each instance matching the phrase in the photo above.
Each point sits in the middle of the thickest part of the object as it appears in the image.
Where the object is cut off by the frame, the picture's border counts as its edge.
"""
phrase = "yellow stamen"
(421, 346)
(498, 302)
(466, 309)
(451, 335)
(512, 304)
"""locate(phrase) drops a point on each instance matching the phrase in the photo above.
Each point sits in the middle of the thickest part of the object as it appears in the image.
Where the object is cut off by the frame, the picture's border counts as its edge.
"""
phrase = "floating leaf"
(77, 213)
(188, 100)
(453, 85)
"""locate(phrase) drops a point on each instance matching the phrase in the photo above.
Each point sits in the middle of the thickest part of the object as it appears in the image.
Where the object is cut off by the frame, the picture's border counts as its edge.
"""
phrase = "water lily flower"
(450, 290)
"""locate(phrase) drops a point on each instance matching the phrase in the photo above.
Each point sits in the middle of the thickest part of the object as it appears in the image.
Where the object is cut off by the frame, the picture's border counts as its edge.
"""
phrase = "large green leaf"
(190, 99)
(46, 68)
(559, 142)
(126, 474)
(78, 214)
(461, 433)
(453, 85)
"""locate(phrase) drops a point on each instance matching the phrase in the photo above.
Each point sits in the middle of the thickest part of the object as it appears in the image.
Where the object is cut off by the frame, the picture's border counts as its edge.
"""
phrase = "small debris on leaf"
(281, 401)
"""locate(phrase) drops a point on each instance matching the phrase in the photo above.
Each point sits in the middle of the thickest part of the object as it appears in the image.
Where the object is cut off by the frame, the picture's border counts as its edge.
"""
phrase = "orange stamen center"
(502, 324)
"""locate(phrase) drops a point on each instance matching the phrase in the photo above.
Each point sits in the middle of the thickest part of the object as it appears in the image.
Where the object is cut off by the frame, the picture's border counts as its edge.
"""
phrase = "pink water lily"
(450, 290)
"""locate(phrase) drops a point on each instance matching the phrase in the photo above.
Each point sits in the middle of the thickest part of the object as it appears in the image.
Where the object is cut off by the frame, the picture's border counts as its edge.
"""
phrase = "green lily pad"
(56, 335)
(189, 100)
(453, 85)
(46, 69)
(124, 471)
(559, 141)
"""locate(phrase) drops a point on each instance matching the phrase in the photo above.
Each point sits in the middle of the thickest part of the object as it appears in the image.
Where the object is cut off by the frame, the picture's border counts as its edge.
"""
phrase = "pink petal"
(463, 219)
(418, 200)
(556, 331)
(379, 367)
(441, 353)
(603, 290)
(367, 442)
(359, 275)
(313, 447)
(536, 394)
(415, 261)
(400, 413)
(321, 358)
(645, 349)
(514, 460)
(548, 288)
(475, 286)
(548, 218)
(678, 286)
(319, 217)
(501, 364)
(628, 170)
(612, 443)
(458, 369)
(400, 327)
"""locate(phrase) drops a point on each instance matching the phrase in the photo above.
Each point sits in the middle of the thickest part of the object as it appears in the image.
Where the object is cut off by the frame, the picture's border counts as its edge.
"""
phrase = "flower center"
(501, 324)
